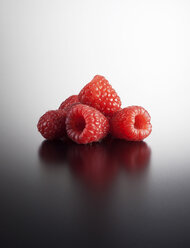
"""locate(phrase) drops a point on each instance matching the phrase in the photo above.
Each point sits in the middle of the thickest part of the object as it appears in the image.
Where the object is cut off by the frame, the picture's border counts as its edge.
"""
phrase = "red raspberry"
(131, 123)
(51, 125)
(100, 95)
(68, 102)
(85, 124)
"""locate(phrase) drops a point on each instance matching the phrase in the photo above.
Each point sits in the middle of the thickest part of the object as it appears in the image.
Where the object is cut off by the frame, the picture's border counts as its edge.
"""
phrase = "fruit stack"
(93, 114)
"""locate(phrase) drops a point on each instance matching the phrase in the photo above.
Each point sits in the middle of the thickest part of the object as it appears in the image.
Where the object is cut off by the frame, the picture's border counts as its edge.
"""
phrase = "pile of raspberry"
(93, 114)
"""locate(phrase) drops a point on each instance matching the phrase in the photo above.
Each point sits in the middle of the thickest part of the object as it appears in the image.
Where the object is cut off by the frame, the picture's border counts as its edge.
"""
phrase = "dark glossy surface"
(109, 194)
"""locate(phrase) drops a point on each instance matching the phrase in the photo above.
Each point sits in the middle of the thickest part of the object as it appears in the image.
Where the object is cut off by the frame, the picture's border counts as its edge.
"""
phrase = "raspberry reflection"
(92, 164)
(133, 156)
(52, 152)
(97, 165)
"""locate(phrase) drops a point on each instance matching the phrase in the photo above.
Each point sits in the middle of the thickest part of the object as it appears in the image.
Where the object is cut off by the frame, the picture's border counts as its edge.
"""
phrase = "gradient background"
(48, 51)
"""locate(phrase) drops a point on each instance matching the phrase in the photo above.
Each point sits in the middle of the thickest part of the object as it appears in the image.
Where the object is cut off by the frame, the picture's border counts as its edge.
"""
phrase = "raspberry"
(69, 102)
(100, 95)
(85, 124)
(131, 123)
(51, 125)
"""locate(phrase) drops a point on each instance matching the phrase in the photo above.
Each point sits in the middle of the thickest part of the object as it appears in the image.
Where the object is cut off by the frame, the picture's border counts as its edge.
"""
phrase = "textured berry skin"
(51, 125)
(85, 124)
(69, 102)
(99, 94)
(131, 123)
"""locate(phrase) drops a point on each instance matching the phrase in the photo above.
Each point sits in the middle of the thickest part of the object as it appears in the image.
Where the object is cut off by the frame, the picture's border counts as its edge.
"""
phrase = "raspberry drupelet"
(131, 123)
(69, 102)
(51, 125)
(85, 124)
(99, 94)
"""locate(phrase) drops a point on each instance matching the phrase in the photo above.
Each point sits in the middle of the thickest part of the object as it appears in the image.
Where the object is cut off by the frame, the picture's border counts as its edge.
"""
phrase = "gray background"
(49, 50)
